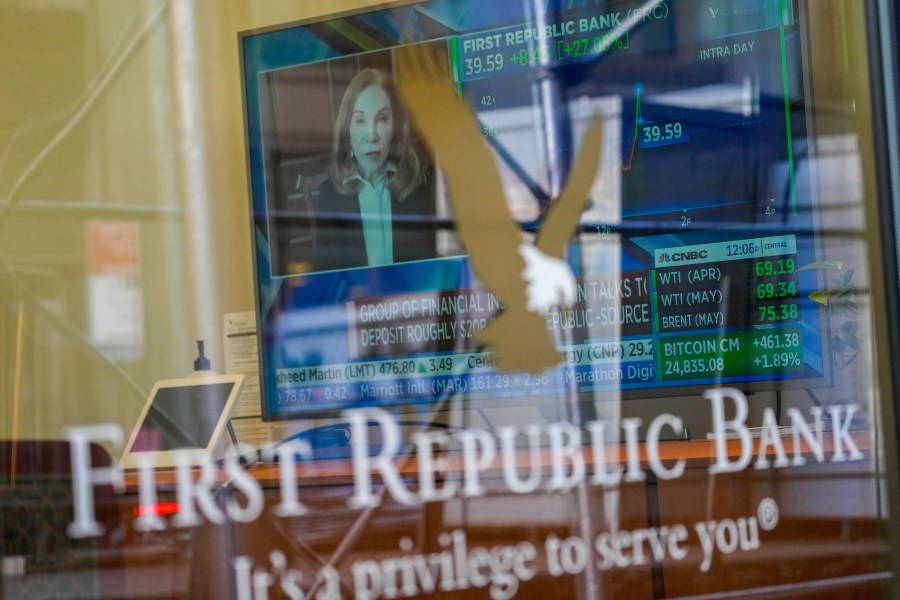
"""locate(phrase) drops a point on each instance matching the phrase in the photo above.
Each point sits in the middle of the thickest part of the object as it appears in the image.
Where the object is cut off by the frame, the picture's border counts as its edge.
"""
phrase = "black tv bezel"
(432, 404)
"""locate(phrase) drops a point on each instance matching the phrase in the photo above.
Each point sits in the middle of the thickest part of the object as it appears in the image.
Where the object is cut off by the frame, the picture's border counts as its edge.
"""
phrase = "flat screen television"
(696, 255)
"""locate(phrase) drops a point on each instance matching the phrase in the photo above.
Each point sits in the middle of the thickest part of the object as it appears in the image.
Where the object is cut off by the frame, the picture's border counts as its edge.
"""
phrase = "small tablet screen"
(182, 417)
(183, 414)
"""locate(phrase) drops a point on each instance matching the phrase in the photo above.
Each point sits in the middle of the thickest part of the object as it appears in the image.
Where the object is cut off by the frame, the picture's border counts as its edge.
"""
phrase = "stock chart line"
(638, 92)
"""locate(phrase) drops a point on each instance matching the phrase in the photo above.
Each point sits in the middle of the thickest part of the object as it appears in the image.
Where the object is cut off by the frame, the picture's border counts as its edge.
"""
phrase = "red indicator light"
(161, 509)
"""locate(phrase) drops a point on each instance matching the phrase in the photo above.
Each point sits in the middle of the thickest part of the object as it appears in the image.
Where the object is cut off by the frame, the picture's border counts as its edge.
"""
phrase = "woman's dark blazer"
(339, 241)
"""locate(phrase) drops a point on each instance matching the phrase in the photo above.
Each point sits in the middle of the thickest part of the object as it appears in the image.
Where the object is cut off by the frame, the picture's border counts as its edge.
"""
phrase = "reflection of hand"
(549, 281)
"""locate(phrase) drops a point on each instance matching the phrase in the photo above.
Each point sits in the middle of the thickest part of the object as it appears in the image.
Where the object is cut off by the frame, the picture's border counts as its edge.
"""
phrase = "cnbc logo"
(675, 257)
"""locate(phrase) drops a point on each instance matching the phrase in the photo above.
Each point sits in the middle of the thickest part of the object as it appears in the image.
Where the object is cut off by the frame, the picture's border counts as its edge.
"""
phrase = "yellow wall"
(116, 111)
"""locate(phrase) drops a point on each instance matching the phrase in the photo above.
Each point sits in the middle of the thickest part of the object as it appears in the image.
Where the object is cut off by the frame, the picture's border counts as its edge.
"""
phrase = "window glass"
(567, 299)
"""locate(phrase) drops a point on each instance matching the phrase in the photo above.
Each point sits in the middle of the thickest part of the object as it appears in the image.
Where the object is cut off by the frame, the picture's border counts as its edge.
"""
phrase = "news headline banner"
(448, 321)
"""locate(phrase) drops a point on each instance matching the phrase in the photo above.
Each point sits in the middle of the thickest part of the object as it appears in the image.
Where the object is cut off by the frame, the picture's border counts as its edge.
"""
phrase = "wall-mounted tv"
(695, 256)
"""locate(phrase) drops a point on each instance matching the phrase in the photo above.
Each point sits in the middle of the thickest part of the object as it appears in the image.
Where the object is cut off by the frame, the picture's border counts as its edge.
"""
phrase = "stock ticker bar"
(735, 303)
(745, 289)
(580, 36)
(518, 48)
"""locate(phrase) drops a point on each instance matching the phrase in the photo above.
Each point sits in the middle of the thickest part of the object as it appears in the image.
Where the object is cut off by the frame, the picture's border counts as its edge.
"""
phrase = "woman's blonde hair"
(409, 173)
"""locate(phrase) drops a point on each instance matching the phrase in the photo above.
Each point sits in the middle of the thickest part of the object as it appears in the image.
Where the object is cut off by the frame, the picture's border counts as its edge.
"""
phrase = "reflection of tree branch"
(13, 284)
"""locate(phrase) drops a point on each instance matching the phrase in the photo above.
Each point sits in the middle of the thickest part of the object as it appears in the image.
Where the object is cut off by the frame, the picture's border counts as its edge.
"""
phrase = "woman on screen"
(376, 206)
